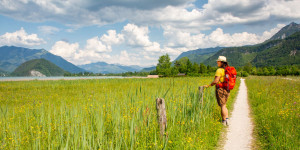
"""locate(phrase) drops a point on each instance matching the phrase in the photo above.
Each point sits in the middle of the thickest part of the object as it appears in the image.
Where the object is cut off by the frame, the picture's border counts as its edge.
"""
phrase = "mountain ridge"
(270, 53)
(286, 31)
(103, 67)
(11, 57)
(240, 55)
(199, 55)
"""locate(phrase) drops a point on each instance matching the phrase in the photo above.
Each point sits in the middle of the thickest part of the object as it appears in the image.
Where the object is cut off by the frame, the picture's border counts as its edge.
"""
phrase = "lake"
(57, 78)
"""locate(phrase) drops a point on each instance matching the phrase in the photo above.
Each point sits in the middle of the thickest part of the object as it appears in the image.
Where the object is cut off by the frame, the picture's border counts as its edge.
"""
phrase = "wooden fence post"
(161, 115)
(201, 88)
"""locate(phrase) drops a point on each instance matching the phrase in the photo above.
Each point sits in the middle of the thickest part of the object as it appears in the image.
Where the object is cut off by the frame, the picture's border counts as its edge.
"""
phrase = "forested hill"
(199, 55)
(270, 53)
(40, 67)
(3, 73)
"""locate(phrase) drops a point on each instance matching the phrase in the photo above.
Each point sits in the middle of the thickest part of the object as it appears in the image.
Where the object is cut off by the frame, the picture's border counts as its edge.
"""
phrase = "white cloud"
(268, 34)
(112, 38)
(65, 49)
(48, 29)
(284, 9)
(136, 36)
(93, 51)
(72, 52)
(20, 38)
(180, 14)
(179, 41)
(84, 57)
(94, 44)
(98, 49)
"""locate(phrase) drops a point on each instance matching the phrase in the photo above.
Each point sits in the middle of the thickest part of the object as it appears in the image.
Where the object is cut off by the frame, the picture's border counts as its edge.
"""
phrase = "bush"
(242, 74)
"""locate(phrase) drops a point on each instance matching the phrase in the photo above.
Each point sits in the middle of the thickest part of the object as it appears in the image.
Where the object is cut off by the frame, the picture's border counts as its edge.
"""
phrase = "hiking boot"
(227, 122)
(224, 122)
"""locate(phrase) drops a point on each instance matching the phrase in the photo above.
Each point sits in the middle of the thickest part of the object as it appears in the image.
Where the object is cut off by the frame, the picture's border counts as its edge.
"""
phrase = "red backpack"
(230, 77)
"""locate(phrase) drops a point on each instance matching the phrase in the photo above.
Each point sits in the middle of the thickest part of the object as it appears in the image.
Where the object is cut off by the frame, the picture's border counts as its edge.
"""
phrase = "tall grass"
(275, 105)
(107, 114)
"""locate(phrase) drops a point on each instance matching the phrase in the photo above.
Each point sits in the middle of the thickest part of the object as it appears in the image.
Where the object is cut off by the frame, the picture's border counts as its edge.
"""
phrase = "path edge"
(223, 134)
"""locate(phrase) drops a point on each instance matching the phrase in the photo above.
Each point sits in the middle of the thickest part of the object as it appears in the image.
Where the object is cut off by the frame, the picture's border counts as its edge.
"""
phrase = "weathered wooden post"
(201, 88)
(161, 115)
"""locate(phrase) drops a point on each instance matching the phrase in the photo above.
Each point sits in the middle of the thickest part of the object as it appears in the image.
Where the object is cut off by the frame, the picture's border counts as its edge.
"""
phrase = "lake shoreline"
(3, 79)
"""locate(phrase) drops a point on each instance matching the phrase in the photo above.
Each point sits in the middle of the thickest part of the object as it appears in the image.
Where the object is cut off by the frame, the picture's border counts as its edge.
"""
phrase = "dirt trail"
(239, 133)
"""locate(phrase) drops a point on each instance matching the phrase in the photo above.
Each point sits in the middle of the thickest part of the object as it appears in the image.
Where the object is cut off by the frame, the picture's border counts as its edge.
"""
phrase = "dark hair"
(224, 64)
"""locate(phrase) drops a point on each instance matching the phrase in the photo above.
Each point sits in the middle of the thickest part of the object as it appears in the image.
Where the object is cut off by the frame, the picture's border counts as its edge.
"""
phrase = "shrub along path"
(239, 134)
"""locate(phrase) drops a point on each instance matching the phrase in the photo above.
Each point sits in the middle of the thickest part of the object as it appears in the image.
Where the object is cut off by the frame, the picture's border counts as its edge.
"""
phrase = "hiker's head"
(222, 62)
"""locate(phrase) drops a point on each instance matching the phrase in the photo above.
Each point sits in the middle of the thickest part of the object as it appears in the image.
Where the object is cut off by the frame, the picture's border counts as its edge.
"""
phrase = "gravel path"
(239, 134)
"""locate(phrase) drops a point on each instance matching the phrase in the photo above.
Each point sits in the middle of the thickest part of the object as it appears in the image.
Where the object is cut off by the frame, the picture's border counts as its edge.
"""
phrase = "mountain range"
(11, 57)
(105, 68)
(281, 49)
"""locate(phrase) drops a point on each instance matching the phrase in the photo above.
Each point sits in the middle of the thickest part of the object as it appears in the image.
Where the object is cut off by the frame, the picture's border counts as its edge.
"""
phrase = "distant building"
(153, 76)
(181, 74)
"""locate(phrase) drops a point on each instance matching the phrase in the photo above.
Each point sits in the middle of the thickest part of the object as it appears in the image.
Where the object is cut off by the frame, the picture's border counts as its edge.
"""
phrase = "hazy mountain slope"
(102, 67)
(199, 55)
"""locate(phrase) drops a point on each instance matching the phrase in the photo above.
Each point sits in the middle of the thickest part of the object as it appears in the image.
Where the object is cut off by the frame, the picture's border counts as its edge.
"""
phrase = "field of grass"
(108, 114)
(275, 105)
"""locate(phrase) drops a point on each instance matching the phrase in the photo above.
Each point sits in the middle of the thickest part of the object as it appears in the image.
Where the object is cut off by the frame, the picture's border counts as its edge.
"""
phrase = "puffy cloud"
(136, 36)
(142, 51)
(93, 51)
(21, 38)
(65, 49)
(179, 41)
(81, 12)
(112, 38)
(94, 44)
(136, 4)
(283, 9)
(268, 34)
(48, 29)
(181, 14)
(84, 57)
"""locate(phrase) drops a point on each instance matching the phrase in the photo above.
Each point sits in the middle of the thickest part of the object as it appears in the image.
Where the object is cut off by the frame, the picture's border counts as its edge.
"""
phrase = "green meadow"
(275, 107)
(108, 114)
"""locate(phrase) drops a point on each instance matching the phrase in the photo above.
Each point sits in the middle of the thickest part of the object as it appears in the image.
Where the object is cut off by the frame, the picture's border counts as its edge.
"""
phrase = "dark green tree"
(248, 67)
(164, 65)
(174, 71)
(189, 67)
(202, 69)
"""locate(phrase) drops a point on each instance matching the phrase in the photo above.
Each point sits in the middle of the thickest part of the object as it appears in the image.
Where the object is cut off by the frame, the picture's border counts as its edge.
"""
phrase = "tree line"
(269, 70)
(166, 68)
(183, 66)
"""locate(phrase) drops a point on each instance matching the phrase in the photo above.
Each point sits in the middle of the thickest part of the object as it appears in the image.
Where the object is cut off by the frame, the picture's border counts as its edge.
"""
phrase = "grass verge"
(275, 105)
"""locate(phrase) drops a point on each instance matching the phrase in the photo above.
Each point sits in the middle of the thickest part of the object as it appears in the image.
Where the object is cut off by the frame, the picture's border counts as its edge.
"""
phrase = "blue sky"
(135, 32)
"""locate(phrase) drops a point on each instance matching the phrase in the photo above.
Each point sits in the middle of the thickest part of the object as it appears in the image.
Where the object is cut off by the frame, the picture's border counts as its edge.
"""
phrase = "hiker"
(222, 93)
